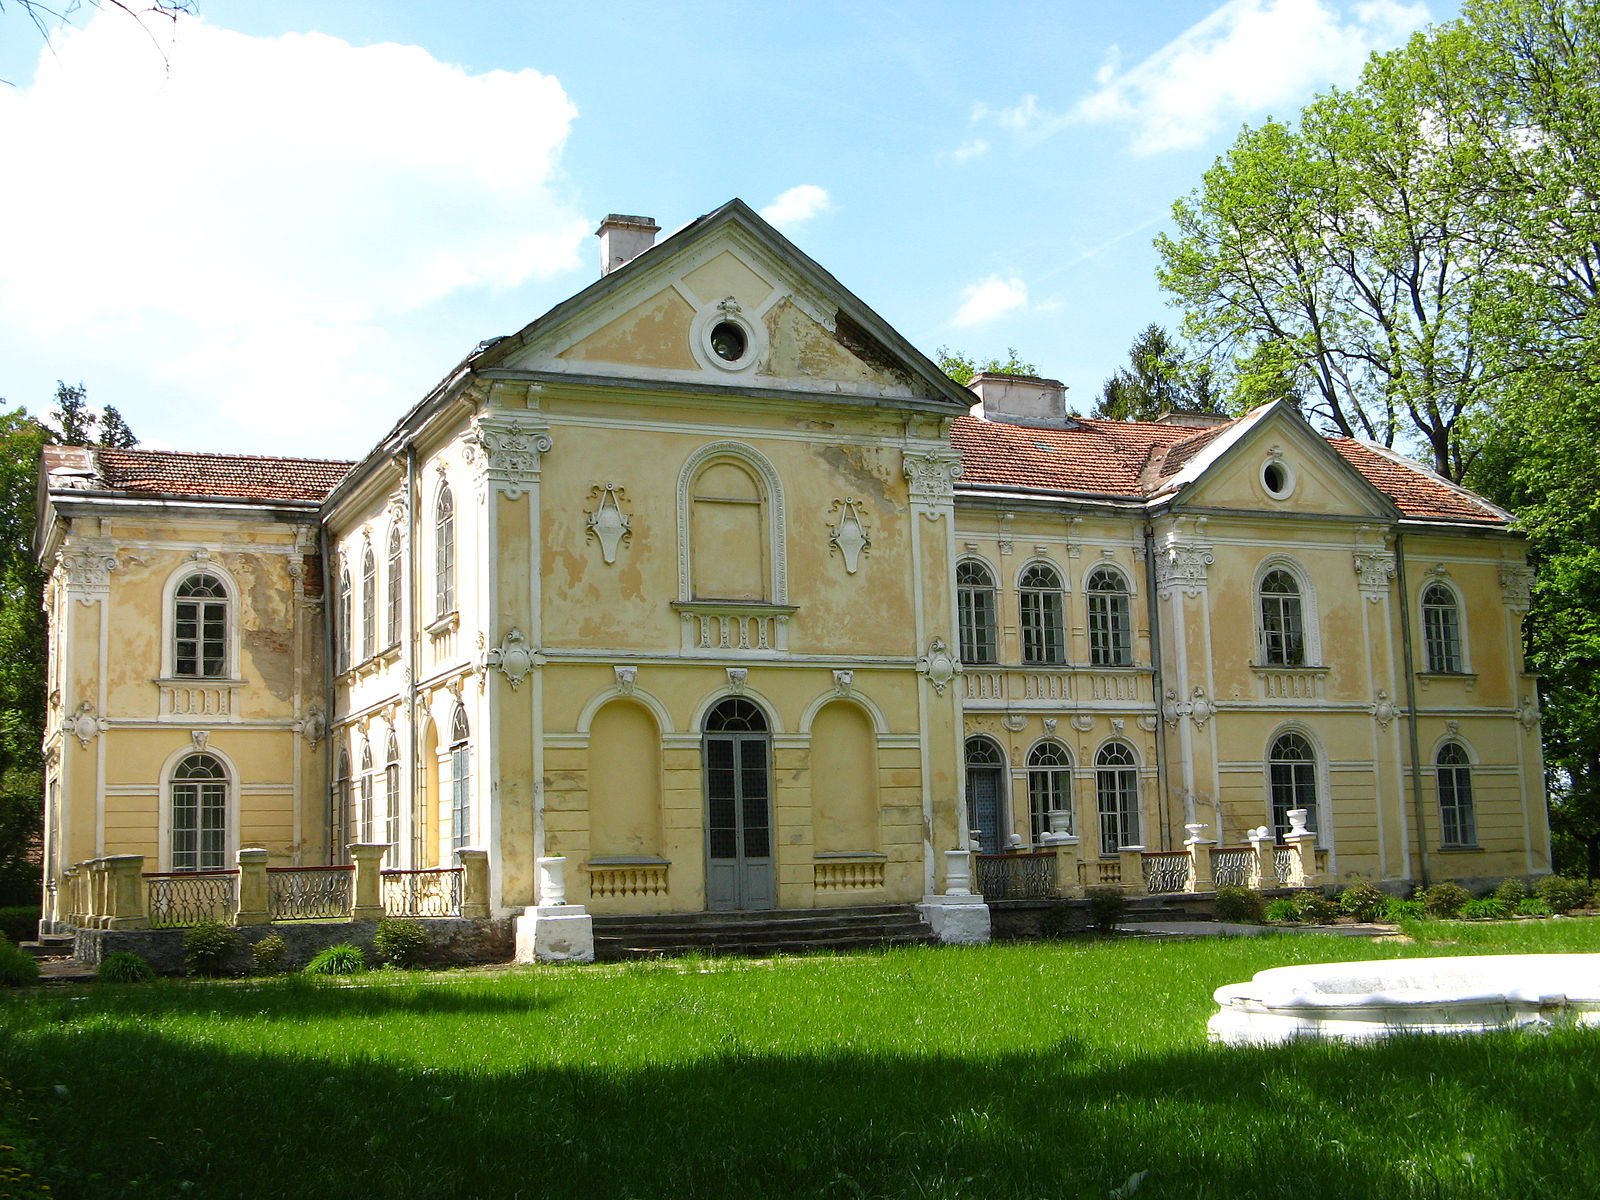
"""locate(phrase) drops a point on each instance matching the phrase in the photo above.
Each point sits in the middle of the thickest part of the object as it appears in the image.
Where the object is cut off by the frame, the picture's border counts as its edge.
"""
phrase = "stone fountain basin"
(1361, 1001)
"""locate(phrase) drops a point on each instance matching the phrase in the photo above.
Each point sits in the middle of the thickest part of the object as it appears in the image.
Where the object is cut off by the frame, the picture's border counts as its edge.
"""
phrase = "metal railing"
(178, 898)
(430, 892)
(1166, 871)
(1024, 876)
(308, 893)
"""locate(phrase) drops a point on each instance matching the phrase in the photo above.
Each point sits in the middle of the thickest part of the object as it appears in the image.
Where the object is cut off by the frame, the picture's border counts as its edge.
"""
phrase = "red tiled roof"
(1132, 458)
(221, 476)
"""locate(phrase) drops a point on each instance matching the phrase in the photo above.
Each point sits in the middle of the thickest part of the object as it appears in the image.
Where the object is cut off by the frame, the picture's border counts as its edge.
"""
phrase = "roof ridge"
(222, 454)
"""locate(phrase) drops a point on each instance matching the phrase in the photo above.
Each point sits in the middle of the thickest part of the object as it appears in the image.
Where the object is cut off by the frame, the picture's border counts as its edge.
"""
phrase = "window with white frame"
(369, 603)
(1116, 779)
(343, 622)
(1043, 642)
(1292, 779)
(1049, 787)
(364, 815)
(1283, 634)
(391, 797)
(444, 554)
(1110, 618)
(1456, 817)
(1441, 629)
(975, 604)
(391, 631)
(200, 628)
(460, 781)
(199, 794)
(339, 808)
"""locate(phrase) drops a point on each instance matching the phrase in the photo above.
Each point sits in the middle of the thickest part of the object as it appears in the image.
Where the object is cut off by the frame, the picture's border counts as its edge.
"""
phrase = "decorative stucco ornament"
(1015, 722)
(627, 678)
(1528, 713)
(514, 657)
(1453, 728)
(199, 737)
(738, 679)
(843, 682)
(1173, 709)
(1200, 708)
(1118, 724)
(1050, 724)
(932, 477)
(848, 535)
(1007, 543)
(85, 725)
(1385, 710)
(1083, 722)
(1516, 585)
(1148, 722)
(939, 665)
(608, 524)
(1181, 565)
(507, 449)
(1374, 570)
(88, 571)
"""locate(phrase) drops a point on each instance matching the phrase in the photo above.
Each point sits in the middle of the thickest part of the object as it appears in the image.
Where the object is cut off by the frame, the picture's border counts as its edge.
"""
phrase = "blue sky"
(271, 228)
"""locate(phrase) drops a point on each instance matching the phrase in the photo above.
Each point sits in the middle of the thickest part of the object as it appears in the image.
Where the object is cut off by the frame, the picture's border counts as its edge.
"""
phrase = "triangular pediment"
(666, 316)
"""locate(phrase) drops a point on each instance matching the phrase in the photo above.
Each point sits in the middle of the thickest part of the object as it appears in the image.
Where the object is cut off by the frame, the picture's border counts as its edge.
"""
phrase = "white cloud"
(967, 151)
(798, 204)
(1248, 57)
(241, 221)
(990, 298)
(1021, 117)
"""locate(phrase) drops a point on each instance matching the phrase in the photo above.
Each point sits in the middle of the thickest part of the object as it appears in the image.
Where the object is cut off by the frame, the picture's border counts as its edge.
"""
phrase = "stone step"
(776, 932)
(49, 945)
(758, 949)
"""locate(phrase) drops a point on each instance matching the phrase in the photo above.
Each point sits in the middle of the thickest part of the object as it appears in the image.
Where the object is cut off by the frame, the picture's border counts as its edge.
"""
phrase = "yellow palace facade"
(709, 592)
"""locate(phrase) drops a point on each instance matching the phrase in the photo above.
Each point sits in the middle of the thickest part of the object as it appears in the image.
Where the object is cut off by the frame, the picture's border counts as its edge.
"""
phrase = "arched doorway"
(737, 757)
(986, 793)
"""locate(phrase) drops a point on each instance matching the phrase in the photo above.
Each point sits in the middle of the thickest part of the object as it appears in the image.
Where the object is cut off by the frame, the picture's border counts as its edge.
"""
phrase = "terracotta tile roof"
(1131, 459)
(220, 476)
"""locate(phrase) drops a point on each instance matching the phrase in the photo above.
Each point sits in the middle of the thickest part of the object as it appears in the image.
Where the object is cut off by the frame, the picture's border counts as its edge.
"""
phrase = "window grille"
(444, 554)
(392, 621)
(1292, 775)
(1110, 619)
(369, 604)
(460, 782)
(342, 623)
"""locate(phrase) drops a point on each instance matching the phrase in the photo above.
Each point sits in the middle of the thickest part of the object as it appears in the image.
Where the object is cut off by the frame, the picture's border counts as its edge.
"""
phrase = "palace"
(710, 588)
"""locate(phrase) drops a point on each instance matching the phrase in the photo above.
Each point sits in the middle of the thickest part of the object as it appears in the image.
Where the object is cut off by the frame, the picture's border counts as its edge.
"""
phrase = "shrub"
(1107, 906)
(1056, 921)
(269, 953)
(17, 967)
(1511, 892)
(343, 959)
(1489, 908)
(1396, 910)
(208, 946)
(401, 943)
(1561, 893)
(1444, 899)
(20, 922)
(1533, 907)
(1243, 905)
(1362, 900)
(1283, 910)
(1316, 909)
(124, 966)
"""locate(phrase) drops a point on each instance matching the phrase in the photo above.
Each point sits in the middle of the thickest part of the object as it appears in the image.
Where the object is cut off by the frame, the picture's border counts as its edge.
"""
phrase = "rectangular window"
(1442, 638)
(1041, 628)
(1282, 632)
(1119, 809)
(461, 798)
(977, 625)
(1110, 630)
(1455, 806)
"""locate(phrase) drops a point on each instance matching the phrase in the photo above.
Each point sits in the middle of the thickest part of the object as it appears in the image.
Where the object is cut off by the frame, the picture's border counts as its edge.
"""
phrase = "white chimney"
(623, 239)
(1021, 399)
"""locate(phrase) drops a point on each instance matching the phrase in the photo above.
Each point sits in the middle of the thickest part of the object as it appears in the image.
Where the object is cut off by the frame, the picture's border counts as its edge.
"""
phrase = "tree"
(114, 431)
(79, 425)
(961, 368)
(1158, 379)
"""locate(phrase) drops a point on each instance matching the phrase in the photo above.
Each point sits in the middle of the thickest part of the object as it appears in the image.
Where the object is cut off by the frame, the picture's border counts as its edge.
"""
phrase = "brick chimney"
(623, 239)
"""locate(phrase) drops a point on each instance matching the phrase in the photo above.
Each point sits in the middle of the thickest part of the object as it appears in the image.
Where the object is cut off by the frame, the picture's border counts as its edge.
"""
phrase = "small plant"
(269, 954)
(343, 959)
(1561, 893)
(1511, 892)
(1283, 911)
(1444, 899)
(1056, 921)
(1362, 900)
(124, 966)
(401, 943)
(1107, 906)
(17, 967)
(208, 946)
(1489, 908)
(1396, 910)
(1241, 905)
(1316, 909)
(1533, 907)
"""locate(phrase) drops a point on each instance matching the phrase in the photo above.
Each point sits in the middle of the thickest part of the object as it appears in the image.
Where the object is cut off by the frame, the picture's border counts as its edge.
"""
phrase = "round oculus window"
(728, 341)
(1275, 478)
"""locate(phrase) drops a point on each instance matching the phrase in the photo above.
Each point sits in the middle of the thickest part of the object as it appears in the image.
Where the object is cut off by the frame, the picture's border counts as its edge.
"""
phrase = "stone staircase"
(755, 934)
(56, 964)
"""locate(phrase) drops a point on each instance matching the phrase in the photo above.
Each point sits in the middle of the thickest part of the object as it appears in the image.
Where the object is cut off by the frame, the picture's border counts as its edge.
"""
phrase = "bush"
(17, 967)
(1056, 921)
(1444, 899)
(343, 959)
(208, 946)
(401, 943)
(20, 922)
(1283, 911)
(1241, 905)
(1511, 892)
(1107, 906)
(1396, 910)
(1489, 908)
(269, 953)
(1362, 900)
(1316, 909)
(124, 966)
(1533, 907)
(1561, 893)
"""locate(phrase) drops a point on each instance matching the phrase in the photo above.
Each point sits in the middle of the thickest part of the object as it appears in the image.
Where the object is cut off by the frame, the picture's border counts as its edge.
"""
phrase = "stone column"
(366, 896)
(474, 883)
(100, 889)
(253, 906)
(1200, 869)
(959, 916)
(126, 876)
(1065, 846)
(1304, 844)
(1132, 859)
(1263, 870)
(958, 872)
(553, 930)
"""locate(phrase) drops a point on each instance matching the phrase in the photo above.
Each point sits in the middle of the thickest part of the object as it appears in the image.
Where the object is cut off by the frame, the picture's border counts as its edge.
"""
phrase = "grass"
(1040, 1070)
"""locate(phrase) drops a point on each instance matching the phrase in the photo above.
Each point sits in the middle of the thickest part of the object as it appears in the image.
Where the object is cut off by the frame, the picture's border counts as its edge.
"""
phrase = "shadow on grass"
(143, 1114)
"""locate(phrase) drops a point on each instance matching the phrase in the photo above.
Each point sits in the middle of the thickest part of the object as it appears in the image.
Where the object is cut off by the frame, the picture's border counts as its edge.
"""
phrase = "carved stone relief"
(1384, 710)
(514, 657)
(848, 535)
(627, 677)
(932, 475)
(1183, 565)
(608, 523)
(939, 665)
(507, 450)
(88, 570)
(1374, 570)
(85, 725)
(1516, 585)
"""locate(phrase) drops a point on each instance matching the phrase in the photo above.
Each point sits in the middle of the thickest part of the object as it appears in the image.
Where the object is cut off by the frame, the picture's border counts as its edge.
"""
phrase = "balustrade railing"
(1233, 867)
(432, 892)
(847, 875)
(1166, 871)
(309, 893)
(1030, 875)
(178, 898)
(1284, 866)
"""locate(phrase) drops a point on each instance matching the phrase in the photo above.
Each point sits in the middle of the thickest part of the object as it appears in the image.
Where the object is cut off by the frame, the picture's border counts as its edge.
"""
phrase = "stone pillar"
(553, 930)
(474, 883)
(100, 877)
(1263, 870)
(366, 895)
(1132, 859)
(958, 917)
(1304, 844)
(1200, 869)
(125, 873)
(958, 872)
(253, 907)
(1065, 846)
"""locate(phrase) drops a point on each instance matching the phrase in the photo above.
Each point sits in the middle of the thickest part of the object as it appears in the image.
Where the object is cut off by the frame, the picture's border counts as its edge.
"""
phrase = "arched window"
(1283, 635)
(1042, 640)
(728, 533)
(1441, 629)
(364, 814)
(369, 603)
(200, 628)
(392, 616)
(1110, 619)
(975, 611)
(1292, 778)
(986, 795)
(1116, 785)
(342, 622)
(1049, 787)
(1455, 796)
(199, 814)
(444, 554)
(339, 807)
(391, 797)
(460, 780)
(736, 715)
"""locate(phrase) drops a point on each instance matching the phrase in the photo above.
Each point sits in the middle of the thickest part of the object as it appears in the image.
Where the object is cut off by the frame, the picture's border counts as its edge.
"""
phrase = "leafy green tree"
(77, 424)
(114, 431)
(1159, 378)
(962, 368)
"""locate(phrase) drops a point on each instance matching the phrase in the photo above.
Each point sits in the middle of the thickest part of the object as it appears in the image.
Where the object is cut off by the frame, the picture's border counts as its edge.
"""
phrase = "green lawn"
(1042, 1070)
